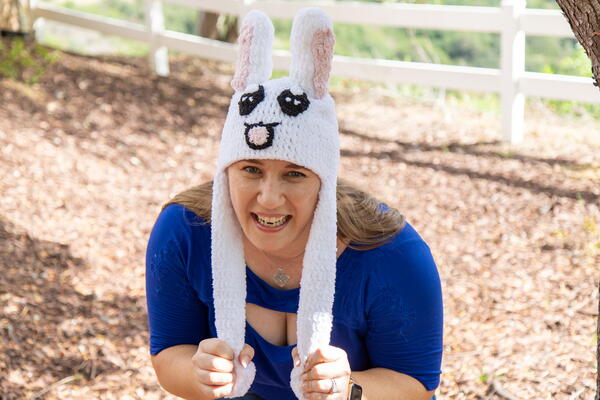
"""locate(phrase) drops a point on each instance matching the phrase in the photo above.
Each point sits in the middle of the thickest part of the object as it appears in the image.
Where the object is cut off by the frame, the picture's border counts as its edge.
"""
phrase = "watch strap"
(354, 390)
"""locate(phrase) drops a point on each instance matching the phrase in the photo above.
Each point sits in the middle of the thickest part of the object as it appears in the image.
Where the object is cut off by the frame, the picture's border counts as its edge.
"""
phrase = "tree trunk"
(231, 29)
(215, 26)
(15, 17)
(584, 18)
(207, 25)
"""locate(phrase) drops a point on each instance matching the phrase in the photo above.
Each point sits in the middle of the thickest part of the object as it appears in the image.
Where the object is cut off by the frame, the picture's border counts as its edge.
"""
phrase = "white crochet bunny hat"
(292, 119)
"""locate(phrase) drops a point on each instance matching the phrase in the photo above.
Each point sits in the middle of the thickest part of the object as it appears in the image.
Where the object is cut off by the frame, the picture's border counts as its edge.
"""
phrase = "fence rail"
(512, 21)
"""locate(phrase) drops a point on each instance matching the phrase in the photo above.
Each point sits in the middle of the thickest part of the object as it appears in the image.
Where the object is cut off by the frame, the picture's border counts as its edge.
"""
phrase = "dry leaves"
(90, 154)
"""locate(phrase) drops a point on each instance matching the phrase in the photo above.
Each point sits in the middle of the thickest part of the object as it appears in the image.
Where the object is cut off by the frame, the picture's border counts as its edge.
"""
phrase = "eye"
(292, 104)
(297, 174)
(251, 169)
(249, 101)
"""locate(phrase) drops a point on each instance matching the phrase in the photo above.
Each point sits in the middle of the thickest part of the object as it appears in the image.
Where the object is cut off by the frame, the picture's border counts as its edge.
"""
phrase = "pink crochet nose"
(258, 135)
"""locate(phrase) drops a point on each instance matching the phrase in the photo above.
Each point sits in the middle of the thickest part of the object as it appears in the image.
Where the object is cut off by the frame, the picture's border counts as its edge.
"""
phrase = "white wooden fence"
(512, 21)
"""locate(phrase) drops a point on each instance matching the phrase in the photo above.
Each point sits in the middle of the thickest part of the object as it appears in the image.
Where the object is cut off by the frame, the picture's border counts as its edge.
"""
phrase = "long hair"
(361, 223)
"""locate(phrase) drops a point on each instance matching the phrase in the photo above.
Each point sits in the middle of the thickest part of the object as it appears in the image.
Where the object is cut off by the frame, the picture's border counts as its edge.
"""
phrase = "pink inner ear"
(322, 51)
(242, 70)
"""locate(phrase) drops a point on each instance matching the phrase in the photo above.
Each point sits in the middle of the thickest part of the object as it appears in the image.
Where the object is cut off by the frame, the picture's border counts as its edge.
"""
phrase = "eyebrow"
(292, 165)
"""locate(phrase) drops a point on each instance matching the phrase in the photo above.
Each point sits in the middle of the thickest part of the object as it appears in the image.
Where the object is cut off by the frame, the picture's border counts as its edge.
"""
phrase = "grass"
(24, 60)
(118, 45)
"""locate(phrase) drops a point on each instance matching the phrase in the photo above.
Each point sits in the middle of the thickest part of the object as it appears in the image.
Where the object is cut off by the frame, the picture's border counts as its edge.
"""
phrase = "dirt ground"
(89, 155)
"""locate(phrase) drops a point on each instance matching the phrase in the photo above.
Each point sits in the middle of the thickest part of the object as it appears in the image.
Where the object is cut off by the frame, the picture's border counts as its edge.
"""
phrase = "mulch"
(90, 153)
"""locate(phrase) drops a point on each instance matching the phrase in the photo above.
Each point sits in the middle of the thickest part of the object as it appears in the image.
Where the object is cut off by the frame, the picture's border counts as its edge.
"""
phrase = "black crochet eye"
(292, 104)
(249, 101)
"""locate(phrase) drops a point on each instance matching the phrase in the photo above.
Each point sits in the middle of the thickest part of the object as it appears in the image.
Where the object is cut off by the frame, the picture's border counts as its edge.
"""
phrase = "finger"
(213, 363)
(322, 385)
(323, 396)
(217, 392)
(324, 354)
(246, 355)
(295, 356)
(328, 370)
(217, 347)
(212, 378)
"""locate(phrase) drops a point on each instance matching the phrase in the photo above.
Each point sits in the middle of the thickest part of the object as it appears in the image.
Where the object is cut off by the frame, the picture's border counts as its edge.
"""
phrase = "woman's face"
(274, 202)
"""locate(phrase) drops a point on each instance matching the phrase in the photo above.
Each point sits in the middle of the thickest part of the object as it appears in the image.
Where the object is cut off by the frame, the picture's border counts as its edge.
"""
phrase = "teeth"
(270, 221)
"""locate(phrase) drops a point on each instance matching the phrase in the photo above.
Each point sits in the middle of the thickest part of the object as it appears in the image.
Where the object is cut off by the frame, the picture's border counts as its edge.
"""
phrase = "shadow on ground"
(461, 148)
(406, 148)
(45, 319)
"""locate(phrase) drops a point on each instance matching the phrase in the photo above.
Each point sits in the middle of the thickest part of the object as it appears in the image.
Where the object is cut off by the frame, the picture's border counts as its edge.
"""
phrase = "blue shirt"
(387, 309)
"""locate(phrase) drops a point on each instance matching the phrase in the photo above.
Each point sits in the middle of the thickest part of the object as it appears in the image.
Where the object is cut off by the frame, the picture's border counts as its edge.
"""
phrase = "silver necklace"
(280, 277)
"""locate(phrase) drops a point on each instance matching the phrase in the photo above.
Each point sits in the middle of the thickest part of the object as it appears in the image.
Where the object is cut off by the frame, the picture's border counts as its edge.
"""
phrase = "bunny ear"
(254, 63)
(312, 43)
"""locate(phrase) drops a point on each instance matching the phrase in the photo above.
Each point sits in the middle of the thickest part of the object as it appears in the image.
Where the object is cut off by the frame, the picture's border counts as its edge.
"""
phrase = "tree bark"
(207, 24)
(215, 26)
(584, 18)
(598, 349)
(15, 17)
(231, 29)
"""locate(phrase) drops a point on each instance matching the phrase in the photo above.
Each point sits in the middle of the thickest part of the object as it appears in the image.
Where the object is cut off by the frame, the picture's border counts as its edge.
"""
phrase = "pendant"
(281, 278)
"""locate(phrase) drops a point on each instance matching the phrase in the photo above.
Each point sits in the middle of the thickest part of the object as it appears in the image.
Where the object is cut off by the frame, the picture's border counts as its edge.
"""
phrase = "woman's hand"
(213, 367)
(325, 364)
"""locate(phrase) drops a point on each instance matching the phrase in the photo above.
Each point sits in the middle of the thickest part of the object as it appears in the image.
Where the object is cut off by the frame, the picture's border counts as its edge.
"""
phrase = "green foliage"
(577, 64)
(128, 10)
(547, 4)
(574, 108)
(118, 45)
(556, 56)
(487, 102)
(465, 48)
(24, 62)
(444, 47)
(544, 54)
(283, 27)
(177, 18)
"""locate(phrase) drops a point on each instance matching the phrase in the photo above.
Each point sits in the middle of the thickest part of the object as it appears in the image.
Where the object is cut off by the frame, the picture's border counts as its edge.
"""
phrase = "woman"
(311, 288)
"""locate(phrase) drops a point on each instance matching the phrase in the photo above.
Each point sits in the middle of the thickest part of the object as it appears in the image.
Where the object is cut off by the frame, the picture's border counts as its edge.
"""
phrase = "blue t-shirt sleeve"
(405, 313)
(175, 314)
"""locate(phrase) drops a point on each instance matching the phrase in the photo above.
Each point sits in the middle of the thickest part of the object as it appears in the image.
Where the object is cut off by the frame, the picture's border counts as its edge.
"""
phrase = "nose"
(271, 194)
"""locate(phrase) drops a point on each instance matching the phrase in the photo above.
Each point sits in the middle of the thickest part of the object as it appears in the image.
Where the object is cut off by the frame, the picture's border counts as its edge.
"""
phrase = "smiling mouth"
(271, 222)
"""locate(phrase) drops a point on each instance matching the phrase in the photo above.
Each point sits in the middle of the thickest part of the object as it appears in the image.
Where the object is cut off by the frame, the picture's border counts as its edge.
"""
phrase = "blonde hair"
(361, 223)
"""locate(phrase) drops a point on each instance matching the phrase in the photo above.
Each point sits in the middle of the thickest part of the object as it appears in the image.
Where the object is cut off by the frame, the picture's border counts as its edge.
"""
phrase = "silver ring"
(334, 388)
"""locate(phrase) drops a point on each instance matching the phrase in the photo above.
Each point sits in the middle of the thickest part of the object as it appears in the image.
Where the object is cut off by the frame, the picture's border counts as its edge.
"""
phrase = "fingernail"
(297, 362)
(244, 362)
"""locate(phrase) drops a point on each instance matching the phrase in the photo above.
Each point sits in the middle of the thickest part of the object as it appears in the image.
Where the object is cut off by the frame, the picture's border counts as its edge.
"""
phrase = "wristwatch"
(354, 390)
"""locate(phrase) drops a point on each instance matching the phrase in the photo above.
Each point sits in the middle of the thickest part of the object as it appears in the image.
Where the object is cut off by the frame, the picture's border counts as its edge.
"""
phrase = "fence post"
(512, 55)
(37, 23)
(243, 6)
(155, 25)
